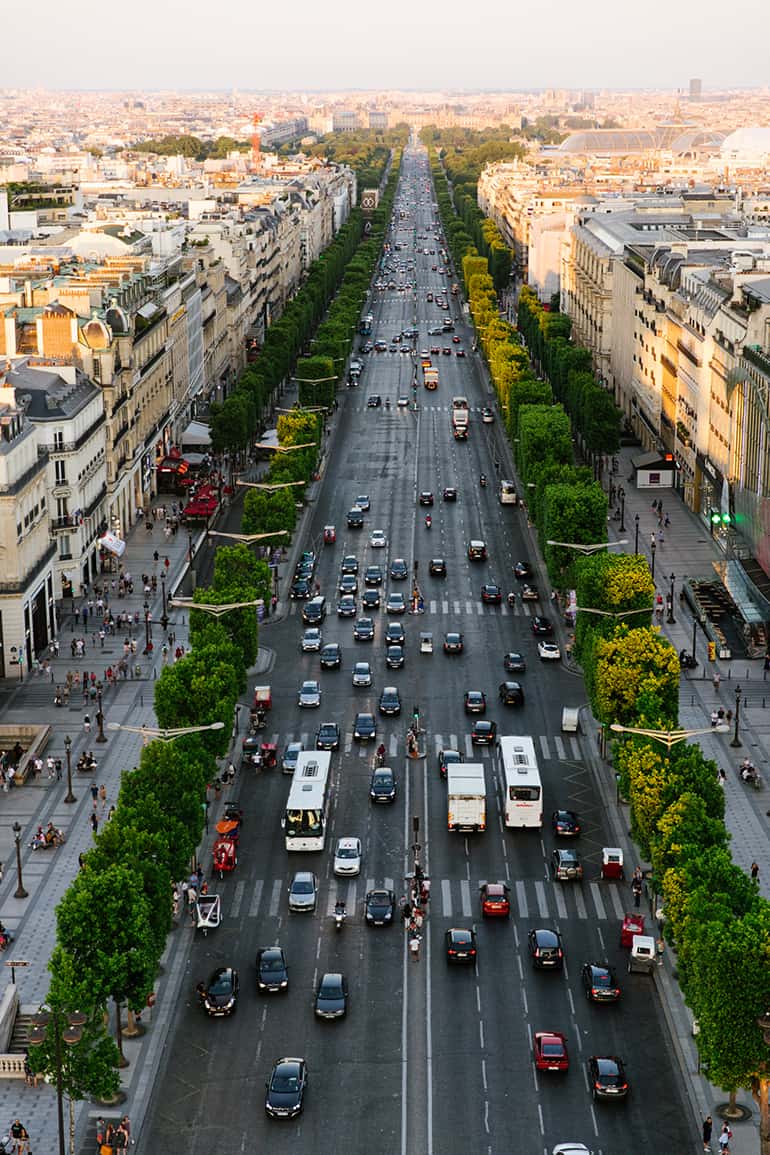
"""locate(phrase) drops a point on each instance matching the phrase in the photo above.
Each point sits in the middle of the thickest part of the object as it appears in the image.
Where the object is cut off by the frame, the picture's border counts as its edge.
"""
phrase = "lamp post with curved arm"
(167, 735)
(668, 738)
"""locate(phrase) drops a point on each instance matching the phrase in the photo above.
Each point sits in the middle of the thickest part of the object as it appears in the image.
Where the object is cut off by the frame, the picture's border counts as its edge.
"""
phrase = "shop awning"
(113, 544)
(196, 433)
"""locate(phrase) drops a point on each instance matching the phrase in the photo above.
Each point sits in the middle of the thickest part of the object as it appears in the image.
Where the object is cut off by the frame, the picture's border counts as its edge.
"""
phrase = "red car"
(495, 902)
(550, 1049)
(632, 924)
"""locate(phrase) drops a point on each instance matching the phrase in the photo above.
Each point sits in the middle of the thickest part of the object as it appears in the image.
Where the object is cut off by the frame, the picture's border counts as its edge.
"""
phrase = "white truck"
(460, 424)
(466, 796)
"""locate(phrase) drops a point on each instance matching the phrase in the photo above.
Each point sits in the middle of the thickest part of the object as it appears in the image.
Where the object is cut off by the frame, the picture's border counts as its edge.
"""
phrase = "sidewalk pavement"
(688, 550)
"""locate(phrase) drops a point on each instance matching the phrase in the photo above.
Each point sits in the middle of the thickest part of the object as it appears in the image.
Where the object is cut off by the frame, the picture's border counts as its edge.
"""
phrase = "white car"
(347, 856)
(309, 695)
(362, 674)
(377, 540)
(290, 756)
(403, 401)
(363, 502)
(549, 651)
(571, 1149)
(487, 416)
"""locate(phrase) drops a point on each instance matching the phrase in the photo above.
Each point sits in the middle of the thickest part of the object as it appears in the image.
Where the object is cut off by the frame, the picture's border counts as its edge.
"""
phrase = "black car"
(545, 949)
(484, 732)
(355, 519)
(491, 594)
(437, 567)
(301, 589)
(328, 736)
(475, 702)
(375, 400)
(448, 758)
(514, 663)
(599, 983)
(251, 751)
(511, 693)
(394, 657)
(541, 626)
(565, 823)
(331, 1000)
(373, 575)
(272, 971)
(349, 564)
(390, 702)
(426, 498)
(331, 656)
(379, 907)
(365, 727)
(348, 584)
(221, 993)
(371, 599)
(399, 570)
(346, 606)
(450, 493)
(607, 1077)
(363, 630)
(383, 785)
(522, 570)
(394, 634)
(453, 643)
(460, 945)
(285, 1088)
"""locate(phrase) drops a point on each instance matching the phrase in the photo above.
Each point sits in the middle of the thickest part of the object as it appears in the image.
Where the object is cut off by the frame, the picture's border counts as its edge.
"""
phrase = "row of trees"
(714, 914)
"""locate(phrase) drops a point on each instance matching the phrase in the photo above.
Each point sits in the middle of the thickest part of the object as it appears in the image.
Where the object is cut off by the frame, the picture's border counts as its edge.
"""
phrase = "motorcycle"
(428, 521)
(483, 481)
(511, 599)
(380, 756)
(387, 402)
(340, 914)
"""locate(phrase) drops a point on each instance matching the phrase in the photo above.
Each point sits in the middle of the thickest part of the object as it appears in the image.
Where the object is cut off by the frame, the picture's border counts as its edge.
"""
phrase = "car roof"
(349, 843)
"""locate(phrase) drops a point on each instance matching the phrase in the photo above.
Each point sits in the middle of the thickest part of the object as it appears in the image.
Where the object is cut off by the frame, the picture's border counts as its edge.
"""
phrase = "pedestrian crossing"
(455, 607)
(553, 747)
(535, 900)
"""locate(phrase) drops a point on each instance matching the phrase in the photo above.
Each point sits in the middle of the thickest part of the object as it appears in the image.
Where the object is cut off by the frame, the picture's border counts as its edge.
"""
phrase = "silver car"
(362, 674)
(303, 892)
(312, 640)
(309, 694)
(290, 756)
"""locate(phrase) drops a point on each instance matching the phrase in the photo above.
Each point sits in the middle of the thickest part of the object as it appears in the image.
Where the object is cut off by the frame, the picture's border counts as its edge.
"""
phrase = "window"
(60, 471)
(64, 546)
(58, 440)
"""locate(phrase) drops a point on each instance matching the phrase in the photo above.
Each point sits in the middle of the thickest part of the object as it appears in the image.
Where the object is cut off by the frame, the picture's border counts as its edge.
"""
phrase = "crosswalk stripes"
(452, 898)
(564, 749)
(470, 609)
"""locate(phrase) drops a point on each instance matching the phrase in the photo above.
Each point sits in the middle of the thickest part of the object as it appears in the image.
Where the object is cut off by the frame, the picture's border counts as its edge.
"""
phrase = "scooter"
(483, 481)
(511, 599)
(428, 521)
(340, 914)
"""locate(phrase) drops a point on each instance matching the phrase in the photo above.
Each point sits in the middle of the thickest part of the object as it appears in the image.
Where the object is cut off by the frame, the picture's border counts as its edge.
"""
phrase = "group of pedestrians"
(414, 909)
(725, 1135)
(113, 1136)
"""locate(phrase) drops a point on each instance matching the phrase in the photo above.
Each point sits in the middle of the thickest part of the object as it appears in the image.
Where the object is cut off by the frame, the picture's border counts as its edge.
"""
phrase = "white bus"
(304, 820)
(520, 783)
(507, 493)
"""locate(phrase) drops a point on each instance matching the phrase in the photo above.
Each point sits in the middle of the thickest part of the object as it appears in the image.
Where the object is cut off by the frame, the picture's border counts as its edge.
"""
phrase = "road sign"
(17, 963)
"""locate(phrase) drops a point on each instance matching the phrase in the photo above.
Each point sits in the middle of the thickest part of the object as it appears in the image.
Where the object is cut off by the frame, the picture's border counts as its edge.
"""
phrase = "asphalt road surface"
(430, 1059)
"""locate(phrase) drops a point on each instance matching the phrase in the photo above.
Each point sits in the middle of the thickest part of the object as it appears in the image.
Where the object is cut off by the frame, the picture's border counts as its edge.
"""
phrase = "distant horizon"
(166, 47)
(152, 90)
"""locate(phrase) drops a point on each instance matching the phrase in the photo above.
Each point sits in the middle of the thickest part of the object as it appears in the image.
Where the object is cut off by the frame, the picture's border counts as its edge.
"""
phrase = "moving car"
(511, 693)
(541, 626)
(347, 856)
(272, 971)
(363, 630)
(566, 865)
(449, 493)
(565, 823)
(377, 539)
(373, 575)
(327, 736)
(550, 1048)
(362, 674)
(448, 758)
(484, 732)
(475, 702)
(331, 1000)
(394, 634)
(529, 593)
(374, 401)
(363, 502)
(355, 519)
(607, 1077)
(460, 945)
(437, 567)
(379, 907)
(426, 497)
(285, 1088)
(383, 785)
(403, 401)
(348, 584)
(290, 756)
(312, 640)
(303, 891)
(545, 949)
(221, 996)
(399, 570)
(395, 604)
(390, 702)
(331, 656)
(514, 663)
(364, 727)
(477, 551)
(453, 642)
(548, 652)
(349, 564)
(309, 694)
(487, 415)
(495, 900)
(599, 983)
(346, 606)
(522, 570)
(394, 657)
(370, 599)
(491, 594)
(301, 589)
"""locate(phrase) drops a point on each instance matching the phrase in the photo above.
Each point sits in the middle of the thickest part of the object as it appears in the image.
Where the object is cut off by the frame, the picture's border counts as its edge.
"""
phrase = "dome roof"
(96, 334)
(117, 319)
(748, 142)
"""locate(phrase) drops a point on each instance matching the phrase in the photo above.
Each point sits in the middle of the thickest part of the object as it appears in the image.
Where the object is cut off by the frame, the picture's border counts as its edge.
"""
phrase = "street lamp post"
(164, 615)
(68, 752)
(100, 738)
(671, 619)
(652, 555)
(71, 1031)
(668, 738)
(636, 533)
(168, 735)
(622, 496)
(20, 891)
(147, 642)
(736, 742)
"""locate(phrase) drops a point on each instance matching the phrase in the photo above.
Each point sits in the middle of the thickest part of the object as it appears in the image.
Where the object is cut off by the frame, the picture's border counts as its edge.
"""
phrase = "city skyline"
(334, 49)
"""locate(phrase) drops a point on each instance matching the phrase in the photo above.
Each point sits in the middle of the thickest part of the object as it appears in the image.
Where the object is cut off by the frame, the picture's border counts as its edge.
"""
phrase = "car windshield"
(284, 1083)
(330, 988)
(272, 963)
(302, 886)
(220, 984)
(600, 979)
(347, 852)
(379, 898)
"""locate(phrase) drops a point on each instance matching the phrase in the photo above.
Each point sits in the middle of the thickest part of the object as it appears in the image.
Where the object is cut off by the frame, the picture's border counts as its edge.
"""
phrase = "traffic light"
(712, 651)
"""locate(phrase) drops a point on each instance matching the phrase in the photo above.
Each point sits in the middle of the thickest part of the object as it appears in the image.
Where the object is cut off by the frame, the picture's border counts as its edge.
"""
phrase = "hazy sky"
(333, 44)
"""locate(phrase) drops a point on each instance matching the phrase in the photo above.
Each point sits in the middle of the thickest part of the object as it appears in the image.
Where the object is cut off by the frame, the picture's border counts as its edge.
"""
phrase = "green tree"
(199, 689)
(629, 662)
(571, 513)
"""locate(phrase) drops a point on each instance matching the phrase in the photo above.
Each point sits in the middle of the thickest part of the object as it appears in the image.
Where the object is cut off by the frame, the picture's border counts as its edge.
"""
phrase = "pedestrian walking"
(722, 777)
(51, 766)
(725, 1135)
(717, 680)
(94, 820)
(714, 719)
(755, 872)
(708, 1125)
(661, 538)
(94, 793)
(87, 723)
(103, 796)
(111, 811)
(20, 1137)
